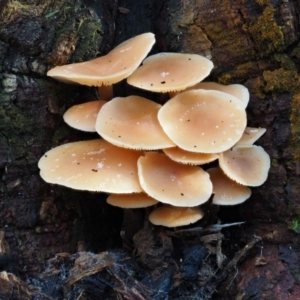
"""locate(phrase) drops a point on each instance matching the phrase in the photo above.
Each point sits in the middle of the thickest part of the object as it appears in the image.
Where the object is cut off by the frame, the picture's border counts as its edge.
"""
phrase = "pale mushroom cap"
(109, 69)
(165, 72)
(250, 136)
(237, 90)
(190, 158)
(227, 191)
(92, 165)
(83, 116)
(135, 200)
(173, 183)
(203, 121)
(131, 122)
(247, 165)
(171, 216)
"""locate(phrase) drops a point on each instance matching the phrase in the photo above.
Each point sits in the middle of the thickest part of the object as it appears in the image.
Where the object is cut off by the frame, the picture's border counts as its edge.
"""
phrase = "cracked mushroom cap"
(83, 116)
(203, 121)
(190, 158)
(93, 165)
(247, 165)
(135, 200)
(165, 72)
(171, 216)
(109, 69)
(250, 136)
(173, 183)
(131, 122)
(225, 190)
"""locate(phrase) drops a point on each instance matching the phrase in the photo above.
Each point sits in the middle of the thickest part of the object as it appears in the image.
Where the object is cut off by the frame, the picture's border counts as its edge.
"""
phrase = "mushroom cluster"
(159, 154)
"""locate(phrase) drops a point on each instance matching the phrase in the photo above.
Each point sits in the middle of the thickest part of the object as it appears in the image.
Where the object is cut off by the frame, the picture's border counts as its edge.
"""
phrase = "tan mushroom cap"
(237, 90)
(203, 121)
(109, 69)
(227, 191)
(171, 216)
(173, 183)
(131, 122)
(247, 165)
(189, 158)
(250, 136)
(83, 116)
(135, 200)
(93, 165)
(165, 72)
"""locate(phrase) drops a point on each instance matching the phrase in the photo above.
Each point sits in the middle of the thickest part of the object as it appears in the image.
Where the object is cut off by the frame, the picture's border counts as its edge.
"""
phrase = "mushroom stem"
(105, 92)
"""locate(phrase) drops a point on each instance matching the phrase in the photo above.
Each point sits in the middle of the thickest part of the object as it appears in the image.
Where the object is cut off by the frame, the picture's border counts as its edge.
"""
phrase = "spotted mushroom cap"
(225, 190)
(203, 121)
(109, 69)
(173, 183)
(247, 165)
(135, 200)
(190, 158)
(250, 136)
(83, 116)
(93, 165)
(171, 216)
(165, 72)
(131, 122)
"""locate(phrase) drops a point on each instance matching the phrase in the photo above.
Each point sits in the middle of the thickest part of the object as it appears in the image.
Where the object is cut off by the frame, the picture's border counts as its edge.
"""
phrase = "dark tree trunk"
(255, 43)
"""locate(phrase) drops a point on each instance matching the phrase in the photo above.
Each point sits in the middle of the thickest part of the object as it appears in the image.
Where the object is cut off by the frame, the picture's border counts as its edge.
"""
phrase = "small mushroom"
(83, 116)
(250, 136)
(171, 216)
(225, 190)
(131, 122)
(247, 165)
(189, 158)
(135, 200)
(165, 72)
(203, 121)
(109, 69)
(93, 165)
(173, 183)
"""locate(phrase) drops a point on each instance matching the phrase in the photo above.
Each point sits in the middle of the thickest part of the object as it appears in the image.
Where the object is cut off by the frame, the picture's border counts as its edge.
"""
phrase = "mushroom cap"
(190, 158)
(165, 72)
(173, 183)
(109, 69)
(131, 122)
(171, 216)
(83, 116)
(247, 165)
(135, 200)
(250, 136)
(237, 90)
(93, 165)
(225, 190)
(203, 121)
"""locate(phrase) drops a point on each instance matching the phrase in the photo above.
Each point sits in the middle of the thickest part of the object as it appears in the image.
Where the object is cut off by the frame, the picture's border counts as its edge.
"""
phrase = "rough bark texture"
(255, 43)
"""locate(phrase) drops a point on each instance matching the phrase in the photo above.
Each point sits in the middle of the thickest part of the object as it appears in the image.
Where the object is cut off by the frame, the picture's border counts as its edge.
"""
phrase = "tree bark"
(255, 43)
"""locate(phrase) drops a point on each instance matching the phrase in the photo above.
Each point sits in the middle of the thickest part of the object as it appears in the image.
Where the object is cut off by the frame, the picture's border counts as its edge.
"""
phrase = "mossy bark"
(255, 43)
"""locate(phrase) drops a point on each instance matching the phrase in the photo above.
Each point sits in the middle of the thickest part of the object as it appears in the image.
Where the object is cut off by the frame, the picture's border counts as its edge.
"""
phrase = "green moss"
(295, 128)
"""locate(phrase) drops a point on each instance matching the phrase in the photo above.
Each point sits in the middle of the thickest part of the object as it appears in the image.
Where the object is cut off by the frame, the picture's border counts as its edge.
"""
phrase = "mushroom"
(131, 122)
(165, 72)
(83, 116)
(250, 136)
(109, 69)
(173, 183)
(225, 190)
(189, 158)
(203, 121)
(247, 165)
(93, 165)
(135, 200)
(171, 216)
